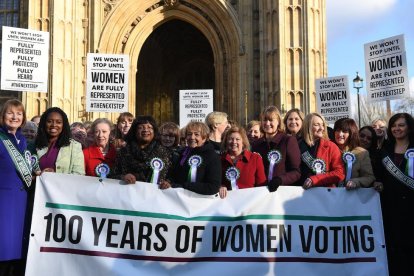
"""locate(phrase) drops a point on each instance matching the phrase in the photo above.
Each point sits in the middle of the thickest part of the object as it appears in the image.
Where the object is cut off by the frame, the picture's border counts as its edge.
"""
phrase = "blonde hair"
(252, 124)
(271, 111)
(199, 126)
(307, 128)
(215, 117)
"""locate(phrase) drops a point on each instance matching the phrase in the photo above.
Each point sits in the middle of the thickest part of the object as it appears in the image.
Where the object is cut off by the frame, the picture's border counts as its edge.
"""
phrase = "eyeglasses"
(168, 135)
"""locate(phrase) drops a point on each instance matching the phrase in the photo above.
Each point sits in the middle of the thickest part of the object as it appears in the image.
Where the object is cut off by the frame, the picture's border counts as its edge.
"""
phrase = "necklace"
(104, 150)
(401, 148)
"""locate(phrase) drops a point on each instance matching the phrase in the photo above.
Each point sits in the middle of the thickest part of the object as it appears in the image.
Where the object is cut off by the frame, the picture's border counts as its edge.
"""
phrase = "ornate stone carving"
(109, 5)
(153, 7)
(171, 3)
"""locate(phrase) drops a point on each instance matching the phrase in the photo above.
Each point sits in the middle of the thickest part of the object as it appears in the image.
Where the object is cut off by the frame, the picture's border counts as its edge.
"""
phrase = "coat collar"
(246, 155)
(275, 139)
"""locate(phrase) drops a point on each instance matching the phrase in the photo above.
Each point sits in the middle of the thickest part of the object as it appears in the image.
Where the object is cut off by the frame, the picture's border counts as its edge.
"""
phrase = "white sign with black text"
(195, 105)
(386, 69)
(107, 83)
(24, 60)
(333, 98)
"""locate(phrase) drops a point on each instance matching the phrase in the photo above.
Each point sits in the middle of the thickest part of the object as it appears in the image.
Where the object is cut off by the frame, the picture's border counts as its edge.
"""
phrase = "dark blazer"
(132, 159)
(397, 201)
(208, 178)
(288, 169)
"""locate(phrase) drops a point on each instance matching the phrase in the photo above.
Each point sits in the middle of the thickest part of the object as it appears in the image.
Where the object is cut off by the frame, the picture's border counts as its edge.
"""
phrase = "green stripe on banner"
(201, 218)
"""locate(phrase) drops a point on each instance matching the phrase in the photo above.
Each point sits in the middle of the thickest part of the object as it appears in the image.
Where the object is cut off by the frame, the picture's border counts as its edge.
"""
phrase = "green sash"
(397, 173)
(22, 167)
(308, 159)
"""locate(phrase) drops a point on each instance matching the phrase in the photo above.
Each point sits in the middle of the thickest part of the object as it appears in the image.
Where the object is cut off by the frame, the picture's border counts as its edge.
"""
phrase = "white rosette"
(409, 155)
(34, 160)
(274, 157)
(194, 162)
(28, 158)
(232, 174)
(348, 158)
(102, 170)
(157, 165)
(318, 166)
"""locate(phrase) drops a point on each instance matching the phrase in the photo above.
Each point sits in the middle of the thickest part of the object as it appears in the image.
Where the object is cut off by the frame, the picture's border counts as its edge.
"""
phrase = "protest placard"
(24, 60)
(386, 69)
(195, 105)
(107, 83)
(333, 98)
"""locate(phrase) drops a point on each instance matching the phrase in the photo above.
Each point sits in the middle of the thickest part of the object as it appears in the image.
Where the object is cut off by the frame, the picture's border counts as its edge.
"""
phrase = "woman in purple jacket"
(14, 184)
(280, 152)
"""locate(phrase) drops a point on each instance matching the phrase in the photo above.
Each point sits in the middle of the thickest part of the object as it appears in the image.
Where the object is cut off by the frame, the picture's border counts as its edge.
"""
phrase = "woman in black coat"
(199, 167)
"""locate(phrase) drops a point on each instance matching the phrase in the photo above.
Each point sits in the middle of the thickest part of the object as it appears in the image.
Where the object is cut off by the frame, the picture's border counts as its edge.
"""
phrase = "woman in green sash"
(397, 198)
(14, 183)
(321, 165)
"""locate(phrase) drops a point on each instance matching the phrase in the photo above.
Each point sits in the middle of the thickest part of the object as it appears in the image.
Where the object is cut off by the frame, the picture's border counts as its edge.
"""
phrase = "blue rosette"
(157, 165)
(34, 161)
(409, 155)
(28, 158)
(194, 162)
(102, 170)
(349, 159)
(232, 174)
(318, 166)
(274, 157)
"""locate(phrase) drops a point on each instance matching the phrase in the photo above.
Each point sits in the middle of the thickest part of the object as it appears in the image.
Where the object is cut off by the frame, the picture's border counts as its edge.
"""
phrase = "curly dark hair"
(42, 138)
(140, 120)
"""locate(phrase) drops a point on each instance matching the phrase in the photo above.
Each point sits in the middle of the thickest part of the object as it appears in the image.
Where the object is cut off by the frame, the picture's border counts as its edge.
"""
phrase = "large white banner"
(386, 69)
(195, 105)
(82, 226)
(24, 60)
(107, 83)
(333, 99)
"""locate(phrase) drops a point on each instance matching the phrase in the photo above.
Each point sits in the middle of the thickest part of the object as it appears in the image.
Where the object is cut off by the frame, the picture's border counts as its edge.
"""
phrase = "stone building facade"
(252, 53)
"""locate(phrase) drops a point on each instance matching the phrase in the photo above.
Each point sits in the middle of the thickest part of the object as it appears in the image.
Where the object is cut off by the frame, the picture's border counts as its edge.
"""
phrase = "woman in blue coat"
(14, 184)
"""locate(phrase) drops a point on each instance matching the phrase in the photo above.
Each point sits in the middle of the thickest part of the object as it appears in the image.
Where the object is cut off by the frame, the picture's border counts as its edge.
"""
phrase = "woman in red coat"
(241, 168)
(322, 164)
(100, 156)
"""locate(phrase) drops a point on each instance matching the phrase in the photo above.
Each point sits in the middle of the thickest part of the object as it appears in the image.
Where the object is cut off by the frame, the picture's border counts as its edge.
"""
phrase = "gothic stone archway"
(175, 56)
(128, 27)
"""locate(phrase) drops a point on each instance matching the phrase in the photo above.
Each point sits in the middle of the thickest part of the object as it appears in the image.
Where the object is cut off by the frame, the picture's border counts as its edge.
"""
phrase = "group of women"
(214, 158)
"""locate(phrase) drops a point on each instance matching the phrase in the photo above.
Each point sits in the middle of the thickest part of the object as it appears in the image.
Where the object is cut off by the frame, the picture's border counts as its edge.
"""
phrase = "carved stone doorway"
(175, 56)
